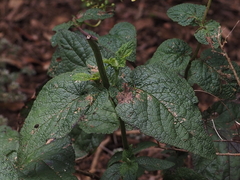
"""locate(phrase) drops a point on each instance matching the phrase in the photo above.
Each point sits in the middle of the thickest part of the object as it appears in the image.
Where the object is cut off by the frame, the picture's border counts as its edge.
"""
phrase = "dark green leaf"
(162, 105)
(84, 143)
(129, 170)
(209, 34)
(222, 167)
(115, 158)
(153, 164)
(101, 116)
(174, 54)
(7, 169)
(61, 103)
(112, 172)
(119, 35)
(213, 74)
(143, 145)
(94, 14)
(73, 52)
(187, 14)
(62, 26)
(183, 173)
(8, 140)
(54, 160)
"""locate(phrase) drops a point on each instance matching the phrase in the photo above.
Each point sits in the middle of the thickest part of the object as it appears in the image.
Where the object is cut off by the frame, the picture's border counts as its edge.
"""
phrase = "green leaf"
(213, 74)
(129, 170)
(187, 14)
(84, 143)
(115, 158)
(163, 105)
(143, 145)
(122, 35)
(62, 26)
(73, 52)
(209, 34)
(224, 115)
(8, 140)
(112, 172)
(101, 116)
(153, 164)
(174, 54)
(54, 160)
(7, 169)
(222, 167)
(58, 107)
(94, 14)
(183, 173)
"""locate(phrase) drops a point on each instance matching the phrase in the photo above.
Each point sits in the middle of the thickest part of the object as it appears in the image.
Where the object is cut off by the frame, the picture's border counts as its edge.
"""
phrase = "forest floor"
(25, 52)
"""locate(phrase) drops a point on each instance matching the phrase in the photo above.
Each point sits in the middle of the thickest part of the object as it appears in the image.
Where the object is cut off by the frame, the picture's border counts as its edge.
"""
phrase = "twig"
(214, 127)
(97, 154)
(86, 173)
(228, 154)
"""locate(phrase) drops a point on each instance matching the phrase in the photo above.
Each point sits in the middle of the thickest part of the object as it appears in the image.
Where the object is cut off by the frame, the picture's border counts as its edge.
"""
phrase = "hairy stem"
(106, 84)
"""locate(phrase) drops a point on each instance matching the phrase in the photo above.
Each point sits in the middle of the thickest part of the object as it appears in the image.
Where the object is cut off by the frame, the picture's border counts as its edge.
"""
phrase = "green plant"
(92, 92)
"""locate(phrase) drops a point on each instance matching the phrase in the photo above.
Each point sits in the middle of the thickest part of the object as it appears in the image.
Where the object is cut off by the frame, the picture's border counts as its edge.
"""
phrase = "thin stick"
(214, 127)
(228, 154)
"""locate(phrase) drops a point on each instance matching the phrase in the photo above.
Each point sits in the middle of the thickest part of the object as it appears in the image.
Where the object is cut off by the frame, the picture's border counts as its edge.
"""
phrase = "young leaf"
(162, 105)
(174, 54)
(57, 109)
(54, 160)
(120, 34)
(153, 164)
(209, 34)
(94, 14)
(187, 14)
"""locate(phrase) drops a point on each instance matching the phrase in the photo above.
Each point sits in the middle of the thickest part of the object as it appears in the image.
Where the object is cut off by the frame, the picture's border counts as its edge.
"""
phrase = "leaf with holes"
(58, 107)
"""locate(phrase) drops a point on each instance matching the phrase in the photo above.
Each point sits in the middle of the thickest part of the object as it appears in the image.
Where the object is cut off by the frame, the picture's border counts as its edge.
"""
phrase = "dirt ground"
(26, 30)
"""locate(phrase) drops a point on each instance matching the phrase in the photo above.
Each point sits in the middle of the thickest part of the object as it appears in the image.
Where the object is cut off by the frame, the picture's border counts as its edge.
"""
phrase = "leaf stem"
(99, 60)
(106, 84)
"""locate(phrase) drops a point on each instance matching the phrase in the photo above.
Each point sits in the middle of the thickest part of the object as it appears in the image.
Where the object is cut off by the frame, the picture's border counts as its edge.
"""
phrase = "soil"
(27, 25)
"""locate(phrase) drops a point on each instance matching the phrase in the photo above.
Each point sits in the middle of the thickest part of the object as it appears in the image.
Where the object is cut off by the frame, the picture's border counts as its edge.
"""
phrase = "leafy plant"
(92, 92)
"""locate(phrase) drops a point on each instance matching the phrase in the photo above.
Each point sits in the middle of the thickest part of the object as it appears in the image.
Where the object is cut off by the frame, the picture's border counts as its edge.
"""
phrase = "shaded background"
(25, 50)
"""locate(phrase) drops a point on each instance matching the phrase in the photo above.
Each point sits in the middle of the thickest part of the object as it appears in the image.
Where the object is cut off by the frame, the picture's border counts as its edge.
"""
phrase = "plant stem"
(206, 11)
(124, 134)
(195, 54)
(106, 84)
(99, 60)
